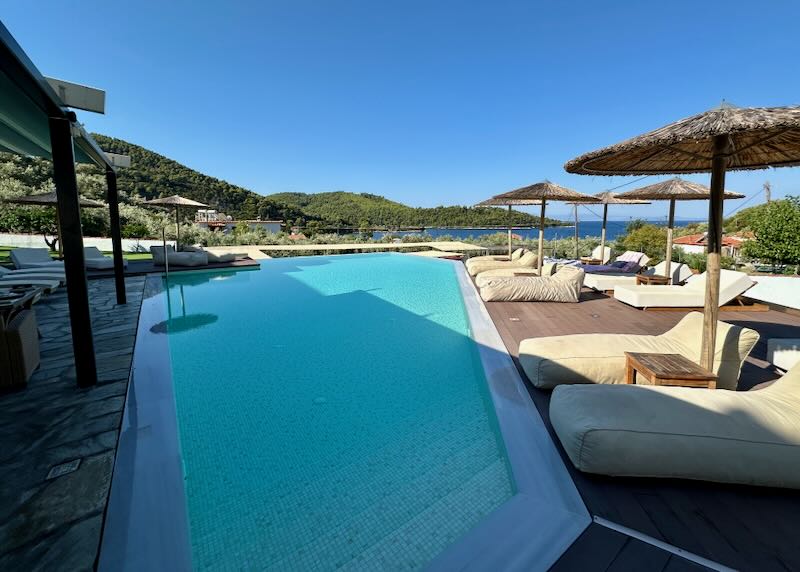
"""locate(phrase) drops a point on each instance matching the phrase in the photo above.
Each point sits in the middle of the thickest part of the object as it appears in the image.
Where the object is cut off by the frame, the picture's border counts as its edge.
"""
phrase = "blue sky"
(425, 102)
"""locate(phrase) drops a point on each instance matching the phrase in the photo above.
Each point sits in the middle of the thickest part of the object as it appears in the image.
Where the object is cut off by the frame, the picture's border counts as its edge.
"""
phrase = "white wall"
(691, 248)
(37, 241)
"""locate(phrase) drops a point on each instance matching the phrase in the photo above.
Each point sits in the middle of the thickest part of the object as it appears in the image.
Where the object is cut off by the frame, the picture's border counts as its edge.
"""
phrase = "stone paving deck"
(56, 524)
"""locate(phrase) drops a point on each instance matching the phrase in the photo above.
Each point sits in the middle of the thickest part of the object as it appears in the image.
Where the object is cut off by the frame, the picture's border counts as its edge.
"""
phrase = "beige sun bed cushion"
(527, 260)
(743, 437)
(600, 358)
(548, 269)
(499, 257)
(605, 281)
(564, 286)
(691, 295)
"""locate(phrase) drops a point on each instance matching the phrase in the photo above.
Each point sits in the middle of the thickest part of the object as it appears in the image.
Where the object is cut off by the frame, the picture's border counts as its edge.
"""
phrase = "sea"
(585, 229)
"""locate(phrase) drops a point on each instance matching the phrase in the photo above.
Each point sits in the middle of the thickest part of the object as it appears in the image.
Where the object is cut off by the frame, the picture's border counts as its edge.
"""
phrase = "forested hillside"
(152, 175)
(350, 209)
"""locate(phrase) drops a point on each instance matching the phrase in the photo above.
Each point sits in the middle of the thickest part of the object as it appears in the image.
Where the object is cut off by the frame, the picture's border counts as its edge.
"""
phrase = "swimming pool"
(335, 413)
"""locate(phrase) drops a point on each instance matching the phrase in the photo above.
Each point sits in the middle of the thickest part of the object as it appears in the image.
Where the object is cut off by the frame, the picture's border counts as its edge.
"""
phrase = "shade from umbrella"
(726, 138)
(545, 191)
(509, 203)
(672, 190)
(51, 200)
(176, 201)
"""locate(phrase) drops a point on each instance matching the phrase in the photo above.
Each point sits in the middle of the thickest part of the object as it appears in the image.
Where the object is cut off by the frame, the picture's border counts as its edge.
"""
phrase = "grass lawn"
(5, 257)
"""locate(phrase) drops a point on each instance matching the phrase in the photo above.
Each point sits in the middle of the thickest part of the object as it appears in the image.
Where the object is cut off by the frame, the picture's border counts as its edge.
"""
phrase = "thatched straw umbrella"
(51, 200)
(673, 190)
(727, 138)
(545, 191)
(509, 204)
(606, 198)
(176, 201)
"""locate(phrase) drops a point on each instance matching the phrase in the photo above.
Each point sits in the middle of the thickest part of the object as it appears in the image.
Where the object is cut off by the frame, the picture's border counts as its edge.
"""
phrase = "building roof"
(700, 239)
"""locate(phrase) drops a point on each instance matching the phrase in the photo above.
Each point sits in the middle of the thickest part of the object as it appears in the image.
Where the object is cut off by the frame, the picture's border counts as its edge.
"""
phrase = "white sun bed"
(47, 283)
(745, 437)
(96, 260)
(34, 258)
(732, 284)
(40, 273)
(607, 281)
(527, 260)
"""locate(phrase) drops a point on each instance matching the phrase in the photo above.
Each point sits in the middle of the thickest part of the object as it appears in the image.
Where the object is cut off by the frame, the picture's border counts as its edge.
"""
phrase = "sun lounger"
(498, 257)
(19, 350)
(744, 437)
(212, 258)
(603, 257)
(563, 286)
(527, 260)
(96, 260)
(692, 295)
(47, 284)
(40, 273)
(608, 281)
(548, 269)
(34, 258)
(178, 258)
(600, 358)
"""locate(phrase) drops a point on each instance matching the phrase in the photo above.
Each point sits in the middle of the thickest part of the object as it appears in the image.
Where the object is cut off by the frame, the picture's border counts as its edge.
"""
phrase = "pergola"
(35, 122)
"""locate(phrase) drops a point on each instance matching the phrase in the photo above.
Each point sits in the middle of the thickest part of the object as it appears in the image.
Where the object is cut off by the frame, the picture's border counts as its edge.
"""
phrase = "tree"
(776, 227)
(647, 238)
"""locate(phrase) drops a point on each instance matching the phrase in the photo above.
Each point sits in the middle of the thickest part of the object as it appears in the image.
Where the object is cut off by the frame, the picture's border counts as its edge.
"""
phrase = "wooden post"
(603, 235)
(575, 212)
(177, 230)
(719, 163)
(509, 232)
(541, 238)
(670, 224)
(116, 236)
(69, 211)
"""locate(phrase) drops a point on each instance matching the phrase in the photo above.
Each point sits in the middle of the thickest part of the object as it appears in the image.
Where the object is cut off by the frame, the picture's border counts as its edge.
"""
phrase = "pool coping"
(147, 524)
(540, 522)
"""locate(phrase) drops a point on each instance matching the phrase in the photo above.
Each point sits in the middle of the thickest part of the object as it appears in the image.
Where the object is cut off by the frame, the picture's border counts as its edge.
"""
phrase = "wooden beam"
(603, 234)
(116, 236)
(670, 224)
(72, 239)
(541, 238)
(719, 164)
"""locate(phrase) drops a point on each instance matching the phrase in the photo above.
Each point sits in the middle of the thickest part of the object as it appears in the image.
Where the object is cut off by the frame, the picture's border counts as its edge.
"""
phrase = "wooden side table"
(590, 260)
(667, 369)
(650, 279)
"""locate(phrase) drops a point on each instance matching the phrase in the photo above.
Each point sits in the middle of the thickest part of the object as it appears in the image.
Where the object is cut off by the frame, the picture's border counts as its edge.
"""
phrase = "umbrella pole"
(670, 224)
(177, 231)
(541, 238)
(711, 312)
(509, 232)
(58, 235)
(603, 235)
(575, 206)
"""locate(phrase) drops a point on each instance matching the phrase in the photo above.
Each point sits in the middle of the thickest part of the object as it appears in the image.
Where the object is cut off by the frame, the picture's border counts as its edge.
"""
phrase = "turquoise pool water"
(333, 413)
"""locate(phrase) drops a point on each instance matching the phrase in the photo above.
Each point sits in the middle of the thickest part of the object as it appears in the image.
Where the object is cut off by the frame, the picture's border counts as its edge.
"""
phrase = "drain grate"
(63, 469)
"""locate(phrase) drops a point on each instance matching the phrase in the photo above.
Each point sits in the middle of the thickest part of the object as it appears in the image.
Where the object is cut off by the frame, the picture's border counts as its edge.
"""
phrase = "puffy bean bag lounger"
(498, 257)
(742, 437)
(692, 295)
(600, 358)
(548, 269)
(564, 286)
(527, 260)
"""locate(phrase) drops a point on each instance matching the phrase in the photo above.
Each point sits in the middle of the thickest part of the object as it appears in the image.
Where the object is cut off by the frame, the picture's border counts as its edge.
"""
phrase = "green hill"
(354, 210)
(152, 175)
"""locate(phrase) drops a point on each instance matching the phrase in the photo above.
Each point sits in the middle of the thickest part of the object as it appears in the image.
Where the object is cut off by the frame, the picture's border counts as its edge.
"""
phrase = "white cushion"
(750, 437)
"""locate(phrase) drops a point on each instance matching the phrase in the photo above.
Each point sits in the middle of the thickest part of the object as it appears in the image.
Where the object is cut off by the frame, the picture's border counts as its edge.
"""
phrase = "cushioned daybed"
(563, 286)
(744, 437)
(692, 295)
(548, 269)
(606, 281)
(600, 358)
(527, 260)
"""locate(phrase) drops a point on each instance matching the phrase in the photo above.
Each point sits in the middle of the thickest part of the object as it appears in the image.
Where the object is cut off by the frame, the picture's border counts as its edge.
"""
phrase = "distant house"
(212, 220)
(696, 243)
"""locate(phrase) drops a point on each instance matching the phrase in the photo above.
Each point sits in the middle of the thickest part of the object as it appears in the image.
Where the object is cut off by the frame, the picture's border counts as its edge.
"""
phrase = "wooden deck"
(747, 528)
